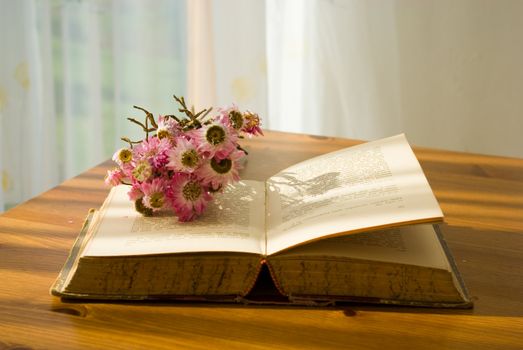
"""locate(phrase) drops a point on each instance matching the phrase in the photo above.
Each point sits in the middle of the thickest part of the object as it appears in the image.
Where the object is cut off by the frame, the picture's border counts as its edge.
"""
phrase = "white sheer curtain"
(227, 59)
(70, 73)
(448, 73)
(28, 158)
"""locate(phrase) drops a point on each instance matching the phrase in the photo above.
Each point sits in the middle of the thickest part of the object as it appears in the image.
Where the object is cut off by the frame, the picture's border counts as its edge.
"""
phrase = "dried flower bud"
(141, 208)
(122, 156)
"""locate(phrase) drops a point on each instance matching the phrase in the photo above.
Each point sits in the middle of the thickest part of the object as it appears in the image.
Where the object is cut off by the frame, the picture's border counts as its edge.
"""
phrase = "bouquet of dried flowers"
(183, 160)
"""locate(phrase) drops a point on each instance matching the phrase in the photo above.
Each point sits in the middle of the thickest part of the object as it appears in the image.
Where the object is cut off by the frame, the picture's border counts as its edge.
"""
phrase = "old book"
(353, 225)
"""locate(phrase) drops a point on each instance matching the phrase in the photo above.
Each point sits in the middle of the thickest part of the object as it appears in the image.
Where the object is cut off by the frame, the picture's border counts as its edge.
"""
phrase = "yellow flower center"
(156, 200)
(236, 119)
(142, 171)
(190, 158)
(215, 135)
(125, 156)
(192, 191)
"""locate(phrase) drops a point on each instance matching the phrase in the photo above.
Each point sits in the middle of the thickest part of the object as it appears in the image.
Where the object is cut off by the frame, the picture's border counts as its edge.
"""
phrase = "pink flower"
(182, 162)
(142, 171)
(154, 194)
(217, 173)
(114, 177)
(184, 157)
(252, 124)
(153, 150)
(127, 169)
(216, 139)
(135, 192)
(247, 122)
(232, 117)
(188, 197)
(167, 128)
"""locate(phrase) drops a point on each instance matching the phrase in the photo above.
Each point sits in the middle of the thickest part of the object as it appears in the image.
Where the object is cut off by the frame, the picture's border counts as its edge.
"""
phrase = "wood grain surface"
(481, 197)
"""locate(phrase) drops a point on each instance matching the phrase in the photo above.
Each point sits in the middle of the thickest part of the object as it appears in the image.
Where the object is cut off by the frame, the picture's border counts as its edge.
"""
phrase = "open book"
(352, 225)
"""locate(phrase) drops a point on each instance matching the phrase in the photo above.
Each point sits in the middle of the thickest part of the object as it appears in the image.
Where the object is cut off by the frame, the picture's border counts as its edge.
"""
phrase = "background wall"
(447, 73)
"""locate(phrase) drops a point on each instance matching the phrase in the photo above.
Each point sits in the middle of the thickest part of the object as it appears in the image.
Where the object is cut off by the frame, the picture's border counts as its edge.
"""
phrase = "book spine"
(274, 279)
(251, 285)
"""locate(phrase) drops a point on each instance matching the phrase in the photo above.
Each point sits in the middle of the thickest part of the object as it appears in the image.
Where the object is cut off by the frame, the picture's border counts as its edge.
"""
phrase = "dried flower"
(123, 156)
(114, 177)
(154, 193)
(183, 161)
(219, 172)
(142, 171)
(185, 157)
(188, 197)
(216, 140)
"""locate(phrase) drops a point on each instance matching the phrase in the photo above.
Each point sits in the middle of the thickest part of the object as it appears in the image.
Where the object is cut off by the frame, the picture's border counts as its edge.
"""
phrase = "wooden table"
(481, 196)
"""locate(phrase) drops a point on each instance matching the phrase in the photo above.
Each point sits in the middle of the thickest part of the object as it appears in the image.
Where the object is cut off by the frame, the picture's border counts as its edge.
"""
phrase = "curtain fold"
(28, 151)
(227, 60)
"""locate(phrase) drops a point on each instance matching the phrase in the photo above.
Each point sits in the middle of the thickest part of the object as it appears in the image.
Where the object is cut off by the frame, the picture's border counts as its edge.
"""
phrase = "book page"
(231, 223)
(412, 245)
(372, 185)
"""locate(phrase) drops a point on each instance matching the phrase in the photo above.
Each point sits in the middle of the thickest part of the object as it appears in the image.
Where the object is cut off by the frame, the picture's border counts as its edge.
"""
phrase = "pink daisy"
(135, 192)
(219, 172)
(123, 156)
(167, 128)
(247, 122)
(252, 124)
(114, 177)
(216, 139)
(153, 150)
(154, 194)
(188, 197)
(127, 169)
(142, 171)
(232, 117)
(184, 157)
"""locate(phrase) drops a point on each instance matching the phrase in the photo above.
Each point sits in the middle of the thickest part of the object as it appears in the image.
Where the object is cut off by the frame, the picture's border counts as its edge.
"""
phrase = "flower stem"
(131, 143)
